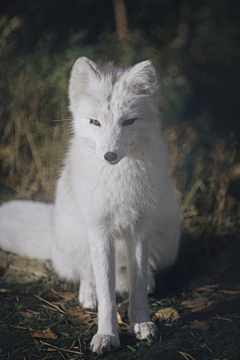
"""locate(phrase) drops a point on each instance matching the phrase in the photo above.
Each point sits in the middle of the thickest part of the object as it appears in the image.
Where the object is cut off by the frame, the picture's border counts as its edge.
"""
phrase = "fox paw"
(145, 331)
(88, 297)
(104, 343)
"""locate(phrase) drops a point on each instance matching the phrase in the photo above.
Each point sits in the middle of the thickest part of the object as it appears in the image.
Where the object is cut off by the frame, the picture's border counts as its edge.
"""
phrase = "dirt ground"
(196, 307)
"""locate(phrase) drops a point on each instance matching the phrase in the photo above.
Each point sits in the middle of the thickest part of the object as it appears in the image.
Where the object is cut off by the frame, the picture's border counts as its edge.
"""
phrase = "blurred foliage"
(43, 38)
(39, 42)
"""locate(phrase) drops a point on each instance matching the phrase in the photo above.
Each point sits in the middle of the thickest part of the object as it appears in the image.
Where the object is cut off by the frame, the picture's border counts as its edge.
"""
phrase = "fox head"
(113, 108)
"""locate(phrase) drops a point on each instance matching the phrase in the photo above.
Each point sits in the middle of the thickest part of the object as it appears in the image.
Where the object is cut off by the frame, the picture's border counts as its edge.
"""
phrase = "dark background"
(207, 63)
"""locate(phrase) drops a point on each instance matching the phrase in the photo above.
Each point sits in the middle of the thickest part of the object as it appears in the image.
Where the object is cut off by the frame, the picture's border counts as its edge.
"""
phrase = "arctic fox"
(115, 219)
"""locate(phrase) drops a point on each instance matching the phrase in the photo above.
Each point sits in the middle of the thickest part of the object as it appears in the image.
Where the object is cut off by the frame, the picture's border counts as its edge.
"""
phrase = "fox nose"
(110, 156)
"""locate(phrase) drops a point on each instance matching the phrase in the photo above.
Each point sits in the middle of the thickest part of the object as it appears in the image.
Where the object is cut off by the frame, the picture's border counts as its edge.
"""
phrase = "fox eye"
(95, 122)
(128, 122)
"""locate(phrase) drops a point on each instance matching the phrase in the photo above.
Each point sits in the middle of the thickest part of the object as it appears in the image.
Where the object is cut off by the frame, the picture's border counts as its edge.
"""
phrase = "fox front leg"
(103, 260)
(140, 322)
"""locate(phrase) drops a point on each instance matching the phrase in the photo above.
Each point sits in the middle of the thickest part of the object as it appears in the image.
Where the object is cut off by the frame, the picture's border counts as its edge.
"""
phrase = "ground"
(196, 307)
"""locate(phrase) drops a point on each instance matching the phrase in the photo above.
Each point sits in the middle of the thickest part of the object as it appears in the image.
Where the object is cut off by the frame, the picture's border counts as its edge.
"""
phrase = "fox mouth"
(113, 162)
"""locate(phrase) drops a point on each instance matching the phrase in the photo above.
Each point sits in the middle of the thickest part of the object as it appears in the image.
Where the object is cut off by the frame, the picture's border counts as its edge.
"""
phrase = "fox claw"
(146, 331)
(104, 343)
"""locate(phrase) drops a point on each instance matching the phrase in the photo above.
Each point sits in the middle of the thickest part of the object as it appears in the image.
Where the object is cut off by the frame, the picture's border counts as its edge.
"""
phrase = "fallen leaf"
(221, 318)
(199, 325)
(167, 314)
(28, 313)
(207, 288)
(230, 292)
(201, 304)
(235, 173)
(78, 316)
(65, 295)
(5, 290)
(3, 264)
(203, 281)
(44, 334)
(122, 325)
(16, 326)
(187, 356)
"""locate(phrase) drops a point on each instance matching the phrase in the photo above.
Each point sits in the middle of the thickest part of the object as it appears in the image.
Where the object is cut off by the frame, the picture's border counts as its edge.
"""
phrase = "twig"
(49, 303)
(187, 356)
(80, 345)
(59, 348)
(198, 184)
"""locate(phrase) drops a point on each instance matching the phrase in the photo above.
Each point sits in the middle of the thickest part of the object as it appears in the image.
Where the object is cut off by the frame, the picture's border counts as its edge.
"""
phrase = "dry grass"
(205, 175)
(205, 171)
(34, 131)
(30, 148)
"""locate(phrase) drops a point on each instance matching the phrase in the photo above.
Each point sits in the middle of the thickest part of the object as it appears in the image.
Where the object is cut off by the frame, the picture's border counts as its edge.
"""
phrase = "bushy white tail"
(25, 228)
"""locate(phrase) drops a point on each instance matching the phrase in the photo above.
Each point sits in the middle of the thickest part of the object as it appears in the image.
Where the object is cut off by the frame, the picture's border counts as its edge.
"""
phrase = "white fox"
(115, 219)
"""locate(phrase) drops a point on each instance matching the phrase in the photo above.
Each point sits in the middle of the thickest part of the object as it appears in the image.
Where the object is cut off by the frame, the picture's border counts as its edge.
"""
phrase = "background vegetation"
(195, 46)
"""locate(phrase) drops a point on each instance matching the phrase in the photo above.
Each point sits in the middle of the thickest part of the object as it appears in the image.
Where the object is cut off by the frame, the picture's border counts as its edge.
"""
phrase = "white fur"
(113, 224)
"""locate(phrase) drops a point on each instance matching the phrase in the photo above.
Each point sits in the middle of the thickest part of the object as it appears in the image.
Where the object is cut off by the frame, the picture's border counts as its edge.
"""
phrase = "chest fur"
(115, 195)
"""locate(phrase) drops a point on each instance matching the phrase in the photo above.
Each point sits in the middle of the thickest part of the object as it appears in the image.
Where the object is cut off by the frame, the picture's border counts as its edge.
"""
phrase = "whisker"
(59, 120)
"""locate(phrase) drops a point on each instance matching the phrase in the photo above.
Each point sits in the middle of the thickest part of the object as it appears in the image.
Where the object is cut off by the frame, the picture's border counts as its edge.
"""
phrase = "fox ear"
(143, 78)
(82, 71)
